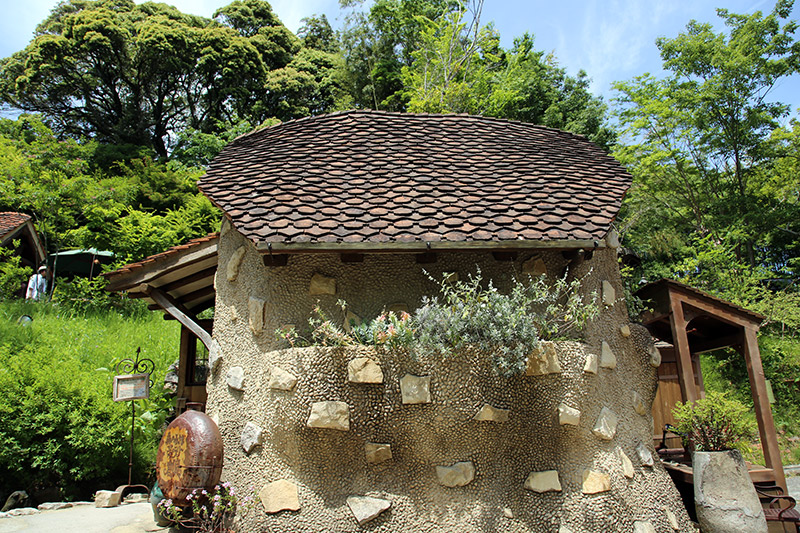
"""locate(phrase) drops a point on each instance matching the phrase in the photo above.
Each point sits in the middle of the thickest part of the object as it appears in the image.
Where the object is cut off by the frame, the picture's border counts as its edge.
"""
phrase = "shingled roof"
(9, 221)
(376, 180)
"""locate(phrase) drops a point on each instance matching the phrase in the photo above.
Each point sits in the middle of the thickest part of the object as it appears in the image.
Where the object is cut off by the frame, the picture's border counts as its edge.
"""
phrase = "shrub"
(715, 423)
(12, 274)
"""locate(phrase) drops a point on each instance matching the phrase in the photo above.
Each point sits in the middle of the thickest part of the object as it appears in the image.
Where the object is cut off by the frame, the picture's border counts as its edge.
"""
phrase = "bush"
(12, 274)
(715, 423)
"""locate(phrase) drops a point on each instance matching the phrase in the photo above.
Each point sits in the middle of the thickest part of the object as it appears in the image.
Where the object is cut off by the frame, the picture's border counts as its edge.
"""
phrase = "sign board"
(131, 387)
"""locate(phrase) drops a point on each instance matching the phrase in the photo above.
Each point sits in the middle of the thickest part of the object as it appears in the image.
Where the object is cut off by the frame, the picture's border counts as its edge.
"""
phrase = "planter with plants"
(717, 429)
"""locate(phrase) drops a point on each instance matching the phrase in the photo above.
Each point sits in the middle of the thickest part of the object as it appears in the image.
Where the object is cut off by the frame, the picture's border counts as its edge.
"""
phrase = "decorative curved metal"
(136, 366)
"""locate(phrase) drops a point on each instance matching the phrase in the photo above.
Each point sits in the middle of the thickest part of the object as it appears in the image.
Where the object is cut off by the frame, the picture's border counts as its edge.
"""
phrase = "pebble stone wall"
(352, 439)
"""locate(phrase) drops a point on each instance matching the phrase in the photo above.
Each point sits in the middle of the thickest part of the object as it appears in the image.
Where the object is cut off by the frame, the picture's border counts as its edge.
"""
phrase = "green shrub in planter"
(715, 423)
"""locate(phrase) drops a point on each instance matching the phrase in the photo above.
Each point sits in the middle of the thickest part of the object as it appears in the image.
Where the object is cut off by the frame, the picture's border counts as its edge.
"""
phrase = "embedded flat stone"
(252, 436)
(279, 496)
(457, 475)
(280, 379)
(415, 389)
(364, 370)
(595, 482)
(107, 498)
(606, 425)
(638, 404)
(544, 481)
(321, 285)
(643, 526)
(564, 529)
(627, 465)
(235, 263)
(590, 367)
(607, 357)
(329, 415)
(609, 294)
(365, 508)
(256, 314)
(644, 455)
(625, 330)
(214, 355)
(377, 453)
(491, 414)
(235, 378)
(568, 416)
(612, 239)
(534, 267)
(507, 512)
(655, 357)
(672, 519)
(543, 360)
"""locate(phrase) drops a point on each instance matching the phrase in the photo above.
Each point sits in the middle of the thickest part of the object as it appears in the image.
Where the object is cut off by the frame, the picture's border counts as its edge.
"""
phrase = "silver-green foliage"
(471, 314)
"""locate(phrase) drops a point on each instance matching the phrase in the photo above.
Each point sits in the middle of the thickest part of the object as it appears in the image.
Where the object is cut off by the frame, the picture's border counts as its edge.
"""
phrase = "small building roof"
(366, 180)
(15, 226)
(10, 221)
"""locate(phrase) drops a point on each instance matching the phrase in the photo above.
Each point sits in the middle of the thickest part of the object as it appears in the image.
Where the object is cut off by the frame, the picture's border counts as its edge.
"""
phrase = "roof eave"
(421, 246)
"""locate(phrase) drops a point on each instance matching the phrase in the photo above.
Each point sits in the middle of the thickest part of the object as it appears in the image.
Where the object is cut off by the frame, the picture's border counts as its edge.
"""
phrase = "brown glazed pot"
(189, 456)
(724, 496)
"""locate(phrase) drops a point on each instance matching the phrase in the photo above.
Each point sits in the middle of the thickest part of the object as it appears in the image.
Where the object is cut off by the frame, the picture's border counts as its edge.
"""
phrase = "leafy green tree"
(316, 33)
(700, 141)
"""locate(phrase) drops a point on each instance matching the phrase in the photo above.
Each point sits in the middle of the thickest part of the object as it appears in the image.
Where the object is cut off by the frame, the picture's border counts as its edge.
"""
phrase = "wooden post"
(682, 355)
(758, 388)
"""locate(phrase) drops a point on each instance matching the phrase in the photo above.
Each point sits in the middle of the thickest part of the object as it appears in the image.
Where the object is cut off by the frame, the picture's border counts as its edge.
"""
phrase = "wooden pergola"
(694, 322)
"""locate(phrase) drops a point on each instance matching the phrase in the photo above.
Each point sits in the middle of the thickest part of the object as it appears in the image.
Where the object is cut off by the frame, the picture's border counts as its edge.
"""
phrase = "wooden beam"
(421, 246)
(683, 356)
(197, 276)
(766, 425)
(199, 293)
(181, 314)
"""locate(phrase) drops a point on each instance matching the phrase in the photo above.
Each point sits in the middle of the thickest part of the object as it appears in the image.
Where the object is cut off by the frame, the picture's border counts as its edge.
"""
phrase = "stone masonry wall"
(345, 439)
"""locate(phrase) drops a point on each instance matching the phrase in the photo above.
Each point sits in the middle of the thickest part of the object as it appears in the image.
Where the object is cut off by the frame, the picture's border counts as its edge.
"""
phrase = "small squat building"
(374, 209)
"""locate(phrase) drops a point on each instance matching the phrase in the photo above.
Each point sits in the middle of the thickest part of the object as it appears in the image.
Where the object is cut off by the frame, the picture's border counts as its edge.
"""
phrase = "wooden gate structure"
(687, 322)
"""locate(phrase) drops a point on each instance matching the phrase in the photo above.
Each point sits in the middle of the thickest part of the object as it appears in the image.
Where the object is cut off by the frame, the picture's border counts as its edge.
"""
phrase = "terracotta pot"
(724, 496)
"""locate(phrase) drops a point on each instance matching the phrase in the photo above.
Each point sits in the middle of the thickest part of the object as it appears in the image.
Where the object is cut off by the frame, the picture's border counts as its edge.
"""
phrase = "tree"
(124, 73)
(702, 146)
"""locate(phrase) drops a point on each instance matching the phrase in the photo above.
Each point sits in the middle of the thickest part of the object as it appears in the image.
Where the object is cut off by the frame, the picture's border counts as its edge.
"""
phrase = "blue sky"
(610, 39)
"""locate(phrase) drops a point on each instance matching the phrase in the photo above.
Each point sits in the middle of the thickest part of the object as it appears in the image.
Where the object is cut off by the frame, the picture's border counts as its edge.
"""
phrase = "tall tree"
(701, 144)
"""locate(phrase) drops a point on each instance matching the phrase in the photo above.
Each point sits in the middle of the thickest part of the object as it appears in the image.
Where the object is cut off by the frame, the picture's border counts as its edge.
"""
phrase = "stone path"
(127, 518)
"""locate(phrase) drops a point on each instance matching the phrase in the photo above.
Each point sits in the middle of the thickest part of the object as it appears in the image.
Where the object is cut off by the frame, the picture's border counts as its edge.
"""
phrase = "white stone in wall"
(377, 452)
(644, 455)
(638, 404)
(415, 389)
(507, 512)
(235, 378)
(543, 360)
(252, 436)
(672, 519)
(279, 496)
(607, 357)
(643, 526)
(364, 370)
(568, 416)
(225, 227)
(606, 425)
(595, 482)
(329, 415)
(544, 481)
(590, 367)
(280, 379)
(351, 319)
(627, 465)
(609, 294)
(491, 414)
(564, 529)
(365, 508)
(625, 330)
(234, 314)
(534, 267)
(457, 475)
(214, 355)
(612, 239)
(655, 357)
(322, 285)
(256, 312)
(235, 263)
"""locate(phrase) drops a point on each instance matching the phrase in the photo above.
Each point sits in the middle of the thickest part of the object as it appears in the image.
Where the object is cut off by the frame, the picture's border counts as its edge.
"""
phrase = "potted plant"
(716, 428)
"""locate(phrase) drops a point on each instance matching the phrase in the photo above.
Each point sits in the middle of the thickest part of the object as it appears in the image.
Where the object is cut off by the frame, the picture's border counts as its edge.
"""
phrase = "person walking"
(37, 285)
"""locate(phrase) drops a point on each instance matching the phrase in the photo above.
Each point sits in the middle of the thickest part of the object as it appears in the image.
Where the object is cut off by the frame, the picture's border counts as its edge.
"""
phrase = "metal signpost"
(132, 382)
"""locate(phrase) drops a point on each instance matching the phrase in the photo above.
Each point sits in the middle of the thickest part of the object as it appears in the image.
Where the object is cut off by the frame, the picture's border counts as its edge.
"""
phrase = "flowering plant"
(211, 511)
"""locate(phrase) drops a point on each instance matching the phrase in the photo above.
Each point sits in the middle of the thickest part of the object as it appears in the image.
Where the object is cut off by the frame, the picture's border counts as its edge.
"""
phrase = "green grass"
(61, 428)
